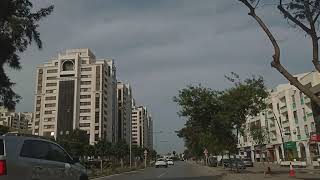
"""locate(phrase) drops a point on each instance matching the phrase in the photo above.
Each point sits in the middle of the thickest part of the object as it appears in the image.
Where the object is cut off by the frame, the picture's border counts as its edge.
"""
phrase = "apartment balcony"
(294, 105)
(283, 109)
(296, 120)
(310, 114)
(307, 100)
(285, 123)
(305, 118)
(299, 137)
(302, 101)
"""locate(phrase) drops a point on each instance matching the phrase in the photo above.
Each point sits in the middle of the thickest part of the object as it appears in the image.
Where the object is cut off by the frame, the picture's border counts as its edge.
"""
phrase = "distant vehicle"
(170, 162)
(161, 162)
(32, 157)
(237, 162)
(248, 162)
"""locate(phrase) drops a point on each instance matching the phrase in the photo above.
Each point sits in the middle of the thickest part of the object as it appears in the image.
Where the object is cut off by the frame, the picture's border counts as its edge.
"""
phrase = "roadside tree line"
(215, 118)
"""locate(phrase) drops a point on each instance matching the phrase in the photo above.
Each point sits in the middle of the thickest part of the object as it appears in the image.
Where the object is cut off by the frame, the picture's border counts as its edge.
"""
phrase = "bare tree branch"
(276, 57)
(293, 19)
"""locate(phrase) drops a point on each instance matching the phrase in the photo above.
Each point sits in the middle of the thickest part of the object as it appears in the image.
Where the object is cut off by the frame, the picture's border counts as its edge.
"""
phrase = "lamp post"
(155, 136)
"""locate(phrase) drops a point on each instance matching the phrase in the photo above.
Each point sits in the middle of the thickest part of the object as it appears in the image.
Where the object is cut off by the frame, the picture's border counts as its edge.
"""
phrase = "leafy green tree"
(3, 130)
(18, 29)
(259, 136)
(212, 116)
(75, 142)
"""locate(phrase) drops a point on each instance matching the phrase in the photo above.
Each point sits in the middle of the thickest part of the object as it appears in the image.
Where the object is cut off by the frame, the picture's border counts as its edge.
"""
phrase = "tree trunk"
(121, 162)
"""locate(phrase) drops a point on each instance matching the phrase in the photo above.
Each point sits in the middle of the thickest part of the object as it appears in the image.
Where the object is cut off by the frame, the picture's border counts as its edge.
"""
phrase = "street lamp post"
(155, 136)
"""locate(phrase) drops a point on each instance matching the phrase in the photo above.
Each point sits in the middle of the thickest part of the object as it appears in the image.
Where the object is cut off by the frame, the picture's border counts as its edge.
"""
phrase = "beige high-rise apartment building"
(124, 94)
(76, 90)
(141, 126)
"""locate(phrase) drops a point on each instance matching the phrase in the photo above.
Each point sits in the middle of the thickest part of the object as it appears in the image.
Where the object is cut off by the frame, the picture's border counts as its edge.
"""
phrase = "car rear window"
(1, 147)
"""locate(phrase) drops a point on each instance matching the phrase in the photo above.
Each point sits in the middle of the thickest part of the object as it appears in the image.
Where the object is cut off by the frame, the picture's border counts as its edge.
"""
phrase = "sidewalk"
(257, 173)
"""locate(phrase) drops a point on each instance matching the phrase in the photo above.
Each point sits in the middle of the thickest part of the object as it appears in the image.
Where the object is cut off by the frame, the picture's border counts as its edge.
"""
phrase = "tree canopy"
(18, 29)
(215, 118)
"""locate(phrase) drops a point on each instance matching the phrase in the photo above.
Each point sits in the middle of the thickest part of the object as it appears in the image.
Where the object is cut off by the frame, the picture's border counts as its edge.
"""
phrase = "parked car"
(32, 157)
(212, 161)
(225, 162)
(170, 162)
(237, 162)
(161, 162)
(248, 162)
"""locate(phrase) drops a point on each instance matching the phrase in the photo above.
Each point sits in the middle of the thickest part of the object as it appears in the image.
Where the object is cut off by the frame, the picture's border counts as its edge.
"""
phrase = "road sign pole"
(145, 158)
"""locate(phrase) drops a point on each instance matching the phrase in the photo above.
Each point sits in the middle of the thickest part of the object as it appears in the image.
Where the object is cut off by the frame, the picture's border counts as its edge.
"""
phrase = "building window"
(50, 91)
(37, 108)
(48, 119)
(68, 65)
(51, 84)
(50, 105)
(97, 102)
(86, 76)
(85, 96)
(85, 89)
(85, 110)
(84, 124)
(83, 61)
(97, 117)
(48, 126)
(52, 78)
(96, 137)
(52, 70)
(85, 103)
(85, 82)
(47, 112)
(84, 117)
(86, 69)
(306, 130)
(313, 127)
(96, 127)
(50, 98)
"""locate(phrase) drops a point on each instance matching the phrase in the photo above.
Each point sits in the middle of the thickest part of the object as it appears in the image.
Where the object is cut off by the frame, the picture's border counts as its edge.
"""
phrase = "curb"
(112, 175)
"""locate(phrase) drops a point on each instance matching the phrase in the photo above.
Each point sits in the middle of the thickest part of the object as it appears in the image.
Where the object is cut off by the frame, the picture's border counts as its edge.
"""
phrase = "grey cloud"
(161, 46)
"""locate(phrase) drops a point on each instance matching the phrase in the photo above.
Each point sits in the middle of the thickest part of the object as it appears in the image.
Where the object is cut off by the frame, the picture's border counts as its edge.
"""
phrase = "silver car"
(34, 158)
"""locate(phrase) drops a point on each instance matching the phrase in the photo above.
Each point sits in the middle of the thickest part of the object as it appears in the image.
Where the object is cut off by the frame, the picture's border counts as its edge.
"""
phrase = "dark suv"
(35, 158)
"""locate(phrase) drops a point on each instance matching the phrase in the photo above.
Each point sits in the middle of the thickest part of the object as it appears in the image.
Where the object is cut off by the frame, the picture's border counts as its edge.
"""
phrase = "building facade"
(124, 95)
(141, 125)
(76, 90)
(15, 121)
(289, 123)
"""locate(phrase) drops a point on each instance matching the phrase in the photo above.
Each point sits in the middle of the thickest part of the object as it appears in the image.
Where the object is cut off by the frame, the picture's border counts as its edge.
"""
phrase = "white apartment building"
(76, 90)
(289, 122)
(16, 121)
(124, 95)
(141, 125)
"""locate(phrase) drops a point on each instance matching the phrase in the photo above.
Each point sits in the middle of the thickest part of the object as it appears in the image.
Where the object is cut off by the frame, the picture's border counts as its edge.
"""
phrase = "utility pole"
(156, 139)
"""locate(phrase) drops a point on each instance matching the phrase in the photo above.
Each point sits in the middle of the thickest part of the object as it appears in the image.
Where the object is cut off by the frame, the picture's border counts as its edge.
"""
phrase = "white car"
(161, 163)
(170, 162)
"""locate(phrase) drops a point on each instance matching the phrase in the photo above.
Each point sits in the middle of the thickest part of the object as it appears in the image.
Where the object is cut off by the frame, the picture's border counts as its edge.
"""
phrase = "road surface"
(179, 171)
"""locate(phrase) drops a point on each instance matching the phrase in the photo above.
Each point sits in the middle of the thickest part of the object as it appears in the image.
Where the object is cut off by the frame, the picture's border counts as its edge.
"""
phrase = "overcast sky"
(160, 46)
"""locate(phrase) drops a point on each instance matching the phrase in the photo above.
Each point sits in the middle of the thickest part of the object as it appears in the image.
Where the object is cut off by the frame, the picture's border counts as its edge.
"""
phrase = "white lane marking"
(110, 176)
(162, 174)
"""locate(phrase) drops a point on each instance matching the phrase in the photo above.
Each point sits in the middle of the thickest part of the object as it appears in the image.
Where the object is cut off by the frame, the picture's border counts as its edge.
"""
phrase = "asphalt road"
(179, 171)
